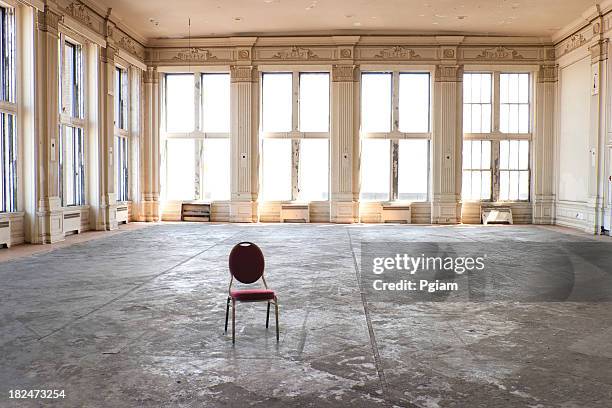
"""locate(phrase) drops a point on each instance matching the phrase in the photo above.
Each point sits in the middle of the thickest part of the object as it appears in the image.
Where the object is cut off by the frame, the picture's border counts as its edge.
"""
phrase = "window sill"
(76, 207)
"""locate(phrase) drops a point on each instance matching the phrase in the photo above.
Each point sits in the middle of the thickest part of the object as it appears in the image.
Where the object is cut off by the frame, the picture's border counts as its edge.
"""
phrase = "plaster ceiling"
(212, 18)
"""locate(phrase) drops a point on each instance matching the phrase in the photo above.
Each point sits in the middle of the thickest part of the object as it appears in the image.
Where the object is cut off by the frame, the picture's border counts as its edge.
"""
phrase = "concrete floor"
(136, 319)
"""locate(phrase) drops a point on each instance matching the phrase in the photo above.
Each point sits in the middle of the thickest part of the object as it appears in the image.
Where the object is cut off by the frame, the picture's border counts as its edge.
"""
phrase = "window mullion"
(295, 120)
(198, 93)
(394, 169)
(495, 176)
(395, 102)
(295, 164)
(496, 102)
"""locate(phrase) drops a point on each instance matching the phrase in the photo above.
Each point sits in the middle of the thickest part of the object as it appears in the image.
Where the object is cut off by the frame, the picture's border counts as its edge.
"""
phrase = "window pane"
(216, 103)
(476, 185)
(485, 191)
(524, 154)
(486, 154)
(121, 168)
(314, 102)
(69, 79)
(514, 103)
(277, 102)
(467, 154)
(8, 170)
(314, 170)
(514, 184)
(216, 168)
(413, 169)
(375, 169)
(504, 185)
(466, 188)
(376, 102)
(180, 104)
(68, 164)
(181, 169)
(277, 169)
(477, 96)
(514, 155)
(523, 185)
(504, 154)
(414, 103)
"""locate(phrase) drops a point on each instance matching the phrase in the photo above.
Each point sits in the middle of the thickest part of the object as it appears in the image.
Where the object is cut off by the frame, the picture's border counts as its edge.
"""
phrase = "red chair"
(246, 265)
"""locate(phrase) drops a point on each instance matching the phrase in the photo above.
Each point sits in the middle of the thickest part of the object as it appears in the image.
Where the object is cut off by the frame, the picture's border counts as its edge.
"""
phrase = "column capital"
(599, 50)
(243, 73)
(151, 76)
(449, 73)
(345, 73)
(48, 21)
(548, 73)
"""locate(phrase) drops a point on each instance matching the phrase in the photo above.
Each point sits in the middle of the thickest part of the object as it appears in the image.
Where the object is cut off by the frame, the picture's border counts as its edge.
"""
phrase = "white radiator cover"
(295, 213)
(401, 214)
(72, 221)
(122, 214)
(5, 233)
(496, 215)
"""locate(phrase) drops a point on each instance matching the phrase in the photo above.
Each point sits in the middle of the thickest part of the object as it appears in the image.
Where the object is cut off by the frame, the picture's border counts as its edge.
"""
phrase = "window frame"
(9, 144)
(122, 132)
(295, 134)
(395, 135)
(495, 136)
(198, 134)
(77, 120)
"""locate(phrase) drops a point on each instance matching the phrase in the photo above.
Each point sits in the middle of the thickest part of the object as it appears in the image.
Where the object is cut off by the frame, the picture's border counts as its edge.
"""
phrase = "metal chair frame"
(233, 302)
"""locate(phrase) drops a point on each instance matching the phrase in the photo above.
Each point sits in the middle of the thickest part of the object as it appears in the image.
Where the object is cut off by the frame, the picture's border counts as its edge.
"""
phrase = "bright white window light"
(216, 169)
(514, 103)
(216, 103)
(514, 170)
(375, 169)
(413, 169)
(476, 170)
(376, 102)
(477, 98)
(180, 103)
(314, 170)
(277, 102)
(277, 169)
(180, 169)
(314, 102)
(414, 102)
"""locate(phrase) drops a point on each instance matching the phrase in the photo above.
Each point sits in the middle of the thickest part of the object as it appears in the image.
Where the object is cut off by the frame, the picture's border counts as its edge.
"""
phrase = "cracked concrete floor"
(136, 319)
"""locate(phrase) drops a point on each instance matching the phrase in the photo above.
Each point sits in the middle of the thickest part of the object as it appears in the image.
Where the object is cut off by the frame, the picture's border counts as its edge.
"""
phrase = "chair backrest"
(246, 262)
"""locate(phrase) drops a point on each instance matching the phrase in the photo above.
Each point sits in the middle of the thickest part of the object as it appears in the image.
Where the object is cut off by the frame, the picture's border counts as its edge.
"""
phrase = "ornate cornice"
(195, 54)
(500, 53)
(80, 12)
(397, 52)
(295, 53)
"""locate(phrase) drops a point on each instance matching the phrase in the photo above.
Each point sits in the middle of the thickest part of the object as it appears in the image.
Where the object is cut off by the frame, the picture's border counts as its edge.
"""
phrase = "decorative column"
(150, 159)
(244, 144)
(447, 142)
(597, 131)
(107, 210)
(49, 222)
(344, 144)
(543, 146)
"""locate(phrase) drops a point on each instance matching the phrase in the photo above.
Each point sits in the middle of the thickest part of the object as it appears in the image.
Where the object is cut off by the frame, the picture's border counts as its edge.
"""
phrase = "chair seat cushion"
(252, 295)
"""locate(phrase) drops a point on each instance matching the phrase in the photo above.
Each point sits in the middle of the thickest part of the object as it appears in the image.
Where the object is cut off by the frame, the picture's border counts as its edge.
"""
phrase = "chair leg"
(233, 321)
(268, 316)
(227, 313)
(276, 312)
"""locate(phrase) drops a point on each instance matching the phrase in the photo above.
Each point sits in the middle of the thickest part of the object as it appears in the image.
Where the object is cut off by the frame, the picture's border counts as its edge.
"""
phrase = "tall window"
(497, 134)
(121, 134)
(197, 116)
(72, 124)
(8, 112)
(295, 133)
(395, 131)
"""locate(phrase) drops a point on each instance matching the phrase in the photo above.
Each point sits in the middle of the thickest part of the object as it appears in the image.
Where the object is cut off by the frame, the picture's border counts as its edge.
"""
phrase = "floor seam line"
(373, 344)
(135, 288)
